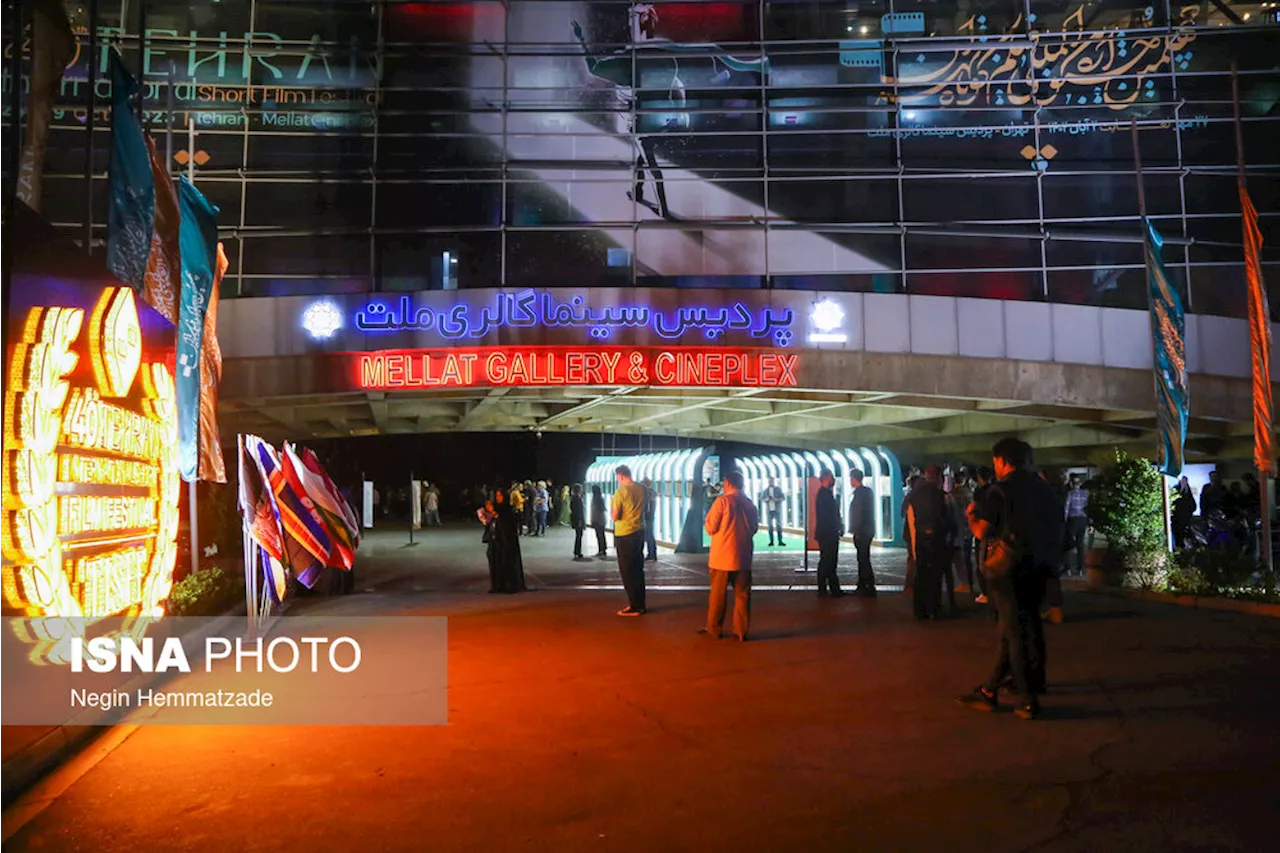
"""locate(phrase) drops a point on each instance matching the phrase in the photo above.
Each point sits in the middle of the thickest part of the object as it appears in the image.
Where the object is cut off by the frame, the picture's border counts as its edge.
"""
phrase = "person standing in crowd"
(598, 521)
(502, 535)
(1184, 506)
(862, 526)
(961, 497)
(517, 498)
(1020, 519)
(565, 518)
(985, 477)
(628, 539)
(1213, 497)
(527, 517)
(929, 526)
(430, 506)
(909, 585)
(650, 528)
(577, 519)
(774, 499)
(541, 506)
(732, 523)
(1077, 519)
(827, 530)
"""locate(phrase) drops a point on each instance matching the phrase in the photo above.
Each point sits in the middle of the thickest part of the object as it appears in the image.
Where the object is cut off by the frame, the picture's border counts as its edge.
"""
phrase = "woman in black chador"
(502, 534)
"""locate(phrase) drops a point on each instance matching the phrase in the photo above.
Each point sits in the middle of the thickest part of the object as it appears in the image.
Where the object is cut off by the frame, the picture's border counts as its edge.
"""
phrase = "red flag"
(212, 468)
(1259, 337)
(164, 262)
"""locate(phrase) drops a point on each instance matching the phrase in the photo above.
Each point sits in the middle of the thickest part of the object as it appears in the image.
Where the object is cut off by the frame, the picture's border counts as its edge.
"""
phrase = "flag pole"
(192, 504)
(90, 117)
(1264, 476)
(1142, 212)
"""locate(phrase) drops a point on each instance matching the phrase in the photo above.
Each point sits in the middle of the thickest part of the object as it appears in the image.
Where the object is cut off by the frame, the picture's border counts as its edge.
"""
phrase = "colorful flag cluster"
(1259, 339)
(295, 514)
(1169, 338)
(162, 240)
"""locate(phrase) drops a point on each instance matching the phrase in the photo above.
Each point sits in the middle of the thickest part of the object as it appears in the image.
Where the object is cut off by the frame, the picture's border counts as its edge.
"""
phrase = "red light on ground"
(717, 367)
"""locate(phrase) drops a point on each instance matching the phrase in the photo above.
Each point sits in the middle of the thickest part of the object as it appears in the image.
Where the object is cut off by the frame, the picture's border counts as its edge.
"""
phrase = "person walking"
(928, 528)
(628, 539)
(862, 526)
(650, 528)
(577, 519)
(774, 499)
(1077, 519)
(827, 530)
(732, 523)
(1020, 519)
(598, 521)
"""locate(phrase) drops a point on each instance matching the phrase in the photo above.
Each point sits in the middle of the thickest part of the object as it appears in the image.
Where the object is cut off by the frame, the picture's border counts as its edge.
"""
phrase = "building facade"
(962, 148)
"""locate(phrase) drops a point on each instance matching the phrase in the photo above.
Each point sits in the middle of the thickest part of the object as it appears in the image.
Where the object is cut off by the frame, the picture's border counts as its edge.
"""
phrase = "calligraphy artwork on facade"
(532, 309)
(90, 473)
(1025, 67)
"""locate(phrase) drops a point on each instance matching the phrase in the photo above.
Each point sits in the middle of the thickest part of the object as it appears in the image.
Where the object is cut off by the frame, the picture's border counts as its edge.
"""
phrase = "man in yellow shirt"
(628, 539)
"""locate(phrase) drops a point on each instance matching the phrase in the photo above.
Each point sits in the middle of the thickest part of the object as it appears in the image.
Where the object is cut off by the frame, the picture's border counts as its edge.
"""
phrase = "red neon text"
(543, 366)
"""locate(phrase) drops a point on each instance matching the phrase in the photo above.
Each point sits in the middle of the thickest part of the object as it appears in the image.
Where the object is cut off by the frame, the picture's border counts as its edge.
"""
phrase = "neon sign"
(528, 309)
(90, 473)
(555, 366)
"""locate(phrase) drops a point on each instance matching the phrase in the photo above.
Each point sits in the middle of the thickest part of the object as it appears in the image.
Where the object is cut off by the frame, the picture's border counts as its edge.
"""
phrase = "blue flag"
(131, 210)
(1169, 337)
(198, 240)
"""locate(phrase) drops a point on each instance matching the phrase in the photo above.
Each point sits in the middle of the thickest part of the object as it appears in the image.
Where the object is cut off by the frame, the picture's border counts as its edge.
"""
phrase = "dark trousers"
(775, 527)
(601, 545)
(647, 145)
(720, 582)
(1077, 525)
(931, 566)
(650, 540)
(866, 577)
(966, 553)
(1017, 600)
(540, 522)
(630, 550)
(828, 556)
(577, 541)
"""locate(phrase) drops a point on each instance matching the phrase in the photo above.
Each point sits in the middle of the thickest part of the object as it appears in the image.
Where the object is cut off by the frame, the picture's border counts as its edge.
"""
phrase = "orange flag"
(1259, 337)
(212, 468)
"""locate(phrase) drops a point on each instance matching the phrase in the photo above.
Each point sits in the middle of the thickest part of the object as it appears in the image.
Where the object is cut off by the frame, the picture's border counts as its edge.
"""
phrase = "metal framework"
(1175, 112)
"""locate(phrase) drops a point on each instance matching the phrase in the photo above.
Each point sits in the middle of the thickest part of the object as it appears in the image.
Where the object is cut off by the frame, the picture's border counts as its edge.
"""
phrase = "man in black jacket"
(862, 525)
(1023, 511)
(827, 530)
(930, 528)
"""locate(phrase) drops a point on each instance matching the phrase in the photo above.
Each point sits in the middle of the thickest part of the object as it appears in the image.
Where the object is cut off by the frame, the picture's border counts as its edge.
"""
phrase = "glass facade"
(959, 147)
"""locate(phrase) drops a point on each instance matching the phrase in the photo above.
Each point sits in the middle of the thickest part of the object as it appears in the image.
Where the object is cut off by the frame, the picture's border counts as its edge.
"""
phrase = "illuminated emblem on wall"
(321, 320)
(827, 318)
(90, 473)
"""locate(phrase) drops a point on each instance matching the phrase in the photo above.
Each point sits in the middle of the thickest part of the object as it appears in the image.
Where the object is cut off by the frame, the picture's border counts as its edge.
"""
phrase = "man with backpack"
(1020, 521)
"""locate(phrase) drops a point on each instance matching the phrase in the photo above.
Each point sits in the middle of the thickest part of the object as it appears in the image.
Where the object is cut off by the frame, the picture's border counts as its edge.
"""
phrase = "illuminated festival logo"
(322, 320)
(90, 474)
(828, 318)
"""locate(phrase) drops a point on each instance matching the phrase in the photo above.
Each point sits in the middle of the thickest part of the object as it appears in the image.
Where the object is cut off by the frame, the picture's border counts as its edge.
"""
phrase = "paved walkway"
(834, 729)
(453, 559)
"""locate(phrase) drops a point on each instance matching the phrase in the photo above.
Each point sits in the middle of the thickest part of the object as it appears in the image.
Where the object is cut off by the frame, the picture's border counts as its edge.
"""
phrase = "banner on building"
(131, 205)
(1169, 361)
(212, 468)
(1259, 339)
(198, 236)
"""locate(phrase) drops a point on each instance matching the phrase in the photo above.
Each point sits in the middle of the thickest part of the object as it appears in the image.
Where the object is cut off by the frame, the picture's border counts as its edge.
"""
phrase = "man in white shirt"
(774, 499)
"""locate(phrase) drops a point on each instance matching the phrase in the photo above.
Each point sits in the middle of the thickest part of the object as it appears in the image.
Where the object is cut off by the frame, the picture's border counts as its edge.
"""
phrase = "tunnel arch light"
(675, 477)
(793, 468)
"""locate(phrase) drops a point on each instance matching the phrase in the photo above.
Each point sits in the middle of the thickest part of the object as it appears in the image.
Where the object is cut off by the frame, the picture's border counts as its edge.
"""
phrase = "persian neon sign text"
(546, 366)
(528, 309)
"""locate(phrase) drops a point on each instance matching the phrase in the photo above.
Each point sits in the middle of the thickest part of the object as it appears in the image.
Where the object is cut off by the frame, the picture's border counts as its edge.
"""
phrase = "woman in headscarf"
(598, 521)
(502, 533)
(565, 509)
